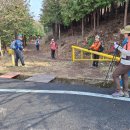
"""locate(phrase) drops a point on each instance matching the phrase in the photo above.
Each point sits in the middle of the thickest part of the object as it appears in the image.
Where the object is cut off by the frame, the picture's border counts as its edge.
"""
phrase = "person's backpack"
(101, 48)
(12, 45)
(37, 42)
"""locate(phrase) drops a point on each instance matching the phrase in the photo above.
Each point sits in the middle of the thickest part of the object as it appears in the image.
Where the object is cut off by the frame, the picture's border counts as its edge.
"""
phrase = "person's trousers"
(95, 63)
(19, 55)
(37, 47)
(121, 70)
(52, 54)
(121, 81)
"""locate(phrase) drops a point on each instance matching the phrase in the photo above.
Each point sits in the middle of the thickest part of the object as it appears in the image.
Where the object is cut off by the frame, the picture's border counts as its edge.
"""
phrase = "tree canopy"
(67, 11)
(15, 18)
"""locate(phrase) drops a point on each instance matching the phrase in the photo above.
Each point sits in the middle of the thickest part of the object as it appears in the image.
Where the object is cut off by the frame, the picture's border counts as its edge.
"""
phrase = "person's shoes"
(92, 66)
(25, 66)
(126, 94)
(118, 94)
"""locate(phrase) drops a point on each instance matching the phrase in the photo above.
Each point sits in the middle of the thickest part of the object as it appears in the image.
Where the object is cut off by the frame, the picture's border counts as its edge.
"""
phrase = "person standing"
(37, 43)
(124, 66)
(18, 49)
(54, 47)
(95, 47)
(125, 41)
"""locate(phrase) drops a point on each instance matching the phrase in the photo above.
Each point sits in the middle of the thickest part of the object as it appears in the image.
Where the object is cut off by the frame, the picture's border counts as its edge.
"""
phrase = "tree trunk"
(56, 30)
(105, 12)
(72, 30)
(116, 10)
(129, 7)
(53, 29)
(90, 17)
(120, 8)
(98, 13)
(101, 14)
(113, 9)
(59, 32)
(15, 34)
(91, 22)
(0, 44)
(24, 41)
(126, 12)
(85, 20)
(82, 27)
(94, 21)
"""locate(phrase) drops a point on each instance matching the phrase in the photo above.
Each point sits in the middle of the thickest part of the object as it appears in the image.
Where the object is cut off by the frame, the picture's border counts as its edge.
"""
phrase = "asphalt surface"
(39, 111)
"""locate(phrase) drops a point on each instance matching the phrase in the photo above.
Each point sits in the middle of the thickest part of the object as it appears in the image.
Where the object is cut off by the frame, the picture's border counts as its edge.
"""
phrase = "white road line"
(64, 92)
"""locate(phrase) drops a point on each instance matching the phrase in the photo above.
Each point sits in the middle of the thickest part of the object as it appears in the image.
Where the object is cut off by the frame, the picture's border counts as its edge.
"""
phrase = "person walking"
(18, 49)
(124, 66)
(95, 47)
(54, 47)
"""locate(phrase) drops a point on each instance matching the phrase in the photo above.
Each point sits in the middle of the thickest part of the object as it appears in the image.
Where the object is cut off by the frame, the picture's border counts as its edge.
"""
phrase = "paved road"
(37, 110)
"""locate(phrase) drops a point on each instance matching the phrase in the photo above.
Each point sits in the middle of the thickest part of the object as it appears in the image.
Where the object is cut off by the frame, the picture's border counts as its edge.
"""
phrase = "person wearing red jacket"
(54, 47)
(95, 47)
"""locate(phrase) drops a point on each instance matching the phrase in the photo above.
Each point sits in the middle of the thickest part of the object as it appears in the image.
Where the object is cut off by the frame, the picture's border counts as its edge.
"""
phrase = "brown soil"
(40, 62)
(63, 67)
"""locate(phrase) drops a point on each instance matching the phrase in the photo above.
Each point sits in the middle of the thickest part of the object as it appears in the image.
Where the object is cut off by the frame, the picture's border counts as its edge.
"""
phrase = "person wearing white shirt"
(123, 67)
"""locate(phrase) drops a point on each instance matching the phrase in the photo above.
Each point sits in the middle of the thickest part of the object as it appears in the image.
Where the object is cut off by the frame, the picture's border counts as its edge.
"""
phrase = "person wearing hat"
(54, 47)
(125, 41)
(19, 50)
(95, 47)
(124, 66)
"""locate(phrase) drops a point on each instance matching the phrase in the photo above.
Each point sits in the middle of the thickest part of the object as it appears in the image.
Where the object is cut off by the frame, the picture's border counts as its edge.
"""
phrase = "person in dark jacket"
(37, 43)
(18, 49)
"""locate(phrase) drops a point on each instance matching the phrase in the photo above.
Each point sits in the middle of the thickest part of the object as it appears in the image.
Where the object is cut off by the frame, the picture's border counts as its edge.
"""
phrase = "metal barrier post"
(105, 57)
(91, 58)
(11, 52)
(73, 54)
(13, 59)
(1, 52)
(81, 54)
